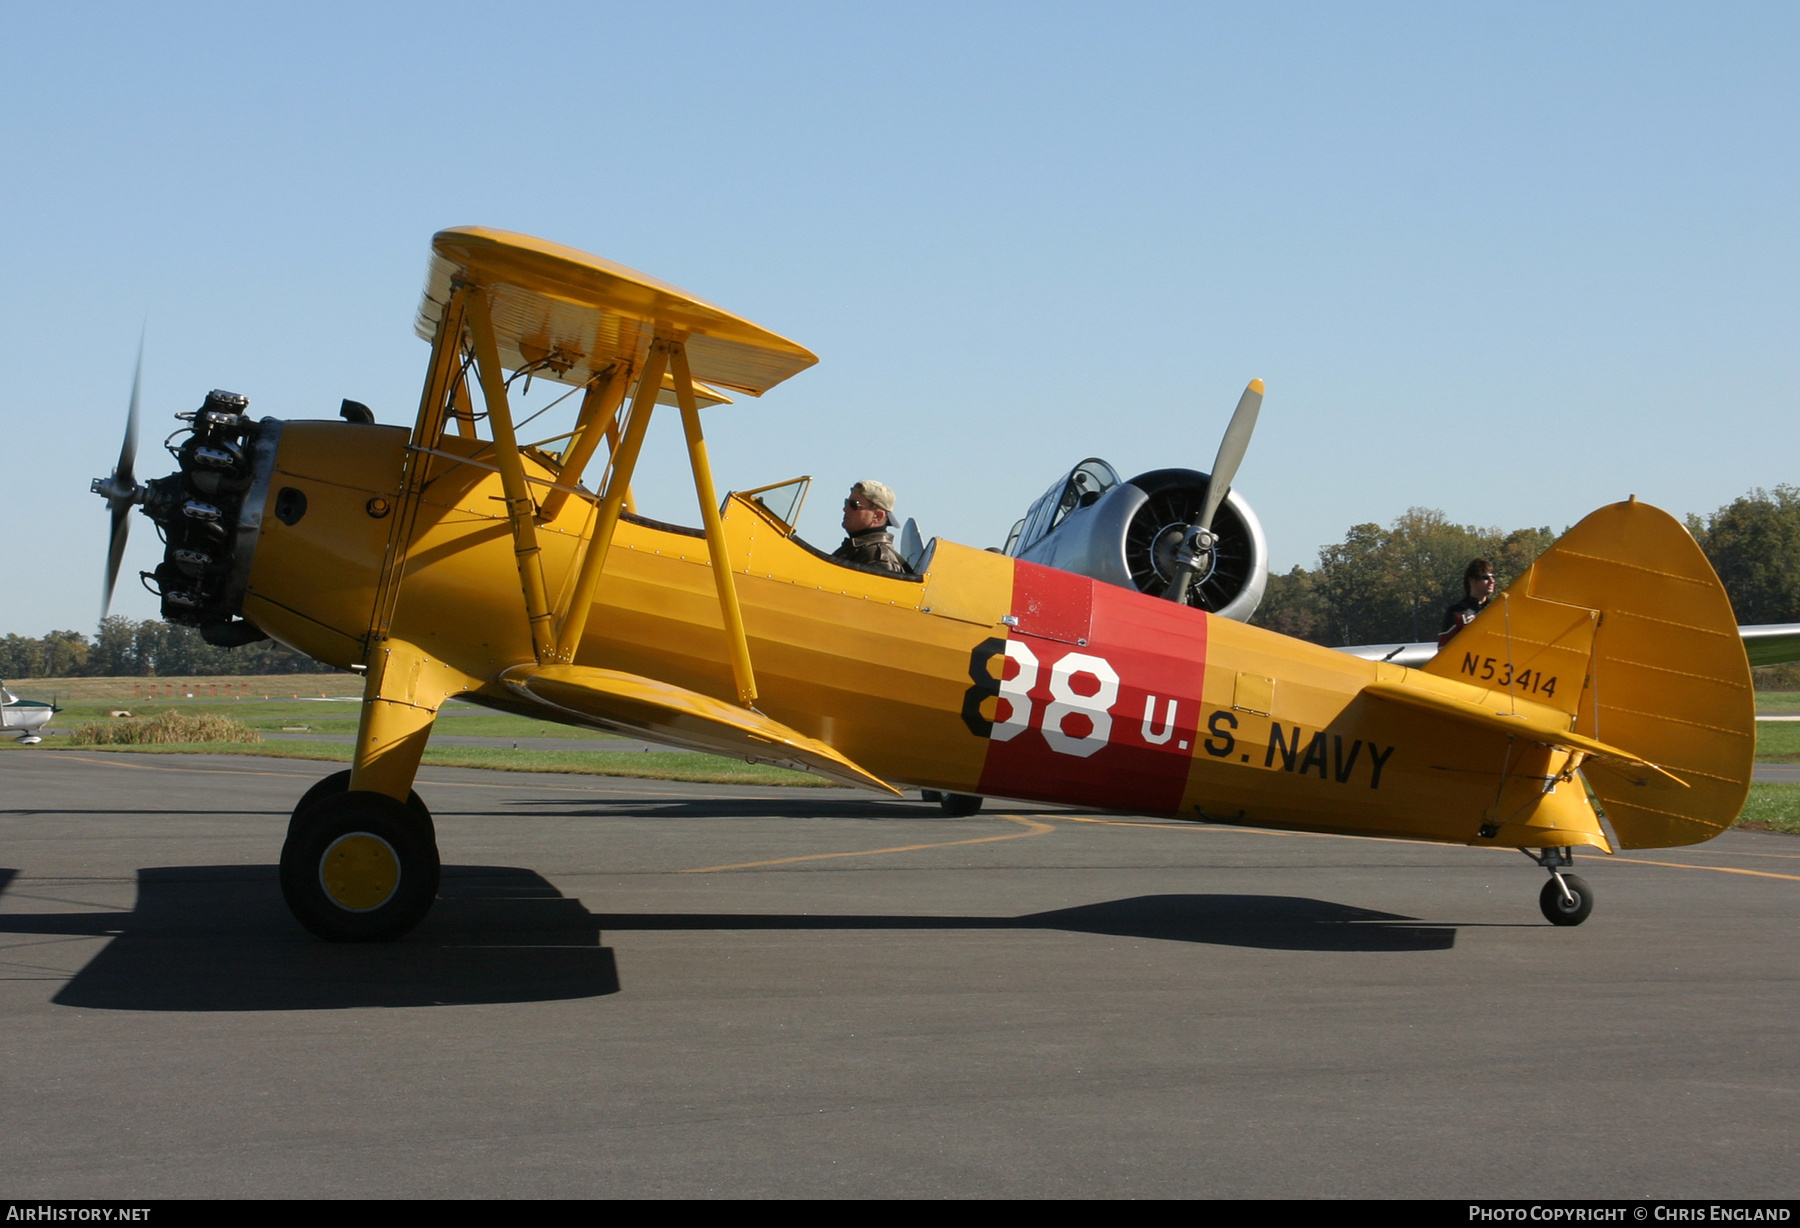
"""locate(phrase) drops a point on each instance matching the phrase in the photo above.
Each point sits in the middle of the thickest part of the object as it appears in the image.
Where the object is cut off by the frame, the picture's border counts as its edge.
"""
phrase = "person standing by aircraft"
(1478, 590)
(866, 515)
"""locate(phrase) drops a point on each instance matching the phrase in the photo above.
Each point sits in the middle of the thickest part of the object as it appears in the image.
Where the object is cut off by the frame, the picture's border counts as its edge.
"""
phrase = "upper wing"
(570, 314)
(630, 703)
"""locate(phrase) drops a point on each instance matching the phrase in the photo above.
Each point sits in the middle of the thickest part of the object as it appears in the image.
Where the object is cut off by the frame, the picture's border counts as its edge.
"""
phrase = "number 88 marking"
(1069, 703)
(1015, 697)
(1015, 693)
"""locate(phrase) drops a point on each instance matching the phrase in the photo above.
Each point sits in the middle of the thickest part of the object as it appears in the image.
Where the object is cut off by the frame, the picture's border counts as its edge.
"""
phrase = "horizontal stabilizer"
(631, 703)
(1536, 727)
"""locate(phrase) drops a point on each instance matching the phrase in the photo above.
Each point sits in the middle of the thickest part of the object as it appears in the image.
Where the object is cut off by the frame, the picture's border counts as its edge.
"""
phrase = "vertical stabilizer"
(1625, 624)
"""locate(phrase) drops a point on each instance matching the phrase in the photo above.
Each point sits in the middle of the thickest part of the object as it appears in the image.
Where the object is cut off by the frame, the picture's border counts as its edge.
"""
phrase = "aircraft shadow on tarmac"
(219, 938)
(1268, 922)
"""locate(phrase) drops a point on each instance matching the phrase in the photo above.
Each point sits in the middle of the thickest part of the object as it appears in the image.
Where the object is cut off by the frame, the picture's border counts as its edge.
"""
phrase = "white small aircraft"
(24, 715)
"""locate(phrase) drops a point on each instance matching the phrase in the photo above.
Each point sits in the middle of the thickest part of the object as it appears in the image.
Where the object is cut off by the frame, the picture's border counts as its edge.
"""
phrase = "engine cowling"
(1126, 533)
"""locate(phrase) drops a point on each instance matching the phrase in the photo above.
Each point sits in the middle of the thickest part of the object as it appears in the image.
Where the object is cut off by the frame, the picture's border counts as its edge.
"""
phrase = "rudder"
(1627, 603)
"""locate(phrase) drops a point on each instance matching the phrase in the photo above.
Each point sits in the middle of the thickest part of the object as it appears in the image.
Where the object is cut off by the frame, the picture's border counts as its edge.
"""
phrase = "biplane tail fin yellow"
(631, 703)
(1623, 626)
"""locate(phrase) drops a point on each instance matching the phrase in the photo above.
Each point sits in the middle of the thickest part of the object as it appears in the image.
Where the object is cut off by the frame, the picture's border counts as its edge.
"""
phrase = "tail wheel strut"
(1566, 899)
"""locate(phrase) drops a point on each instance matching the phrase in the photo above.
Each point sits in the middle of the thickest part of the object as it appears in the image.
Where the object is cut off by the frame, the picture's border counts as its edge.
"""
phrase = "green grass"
(476, 724)
(648, 765)
(1778, 741)
(1772, 807)
(123, 692)
(1778, 701)
(273, 716)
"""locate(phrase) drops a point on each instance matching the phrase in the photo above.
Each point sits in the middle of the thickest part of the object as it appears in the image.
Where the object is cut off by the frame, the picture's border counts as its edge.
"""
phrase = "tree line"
(152, 648)
(1388, 585)
(1376, 586)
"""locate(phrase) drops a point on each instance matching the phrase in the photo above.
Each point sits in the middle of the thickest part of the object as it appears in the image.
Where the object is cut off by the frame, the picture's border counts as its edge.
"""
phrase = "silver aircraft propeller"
(1196, 551)
(121, 491)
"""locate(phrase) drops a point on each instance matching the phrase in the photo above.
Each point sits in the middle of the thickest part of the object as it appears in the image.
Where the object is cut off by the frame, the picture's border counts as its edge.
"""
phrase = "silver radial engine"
(208, 514)
(1174, 533)
(1132, 533)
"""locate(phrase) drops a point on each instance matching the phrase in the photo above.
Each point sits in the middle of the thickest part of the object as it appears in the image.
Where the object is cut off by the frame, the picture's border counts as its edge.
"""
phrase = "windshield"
(782, 500)
(1081, 487)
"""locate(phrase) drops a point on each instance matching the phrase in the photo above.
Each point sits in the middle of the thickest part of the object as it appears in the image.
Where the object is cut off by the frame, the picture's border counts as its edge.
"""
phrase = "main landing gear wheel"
(359, 867)
(959, 805)
(1570, 909)
(339, 782)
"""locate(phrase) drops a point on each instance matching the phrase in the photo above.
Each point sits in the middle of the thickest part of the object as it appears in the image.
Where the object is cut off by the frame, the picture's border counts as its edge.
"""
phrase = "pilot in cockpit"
(866, 515)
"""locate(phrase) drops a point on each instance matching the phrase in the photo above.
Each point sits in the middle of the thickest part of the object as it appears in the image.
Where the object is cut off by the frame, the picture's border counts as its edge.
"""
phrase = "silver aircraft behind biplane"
(1131, 533)
(1604, 700)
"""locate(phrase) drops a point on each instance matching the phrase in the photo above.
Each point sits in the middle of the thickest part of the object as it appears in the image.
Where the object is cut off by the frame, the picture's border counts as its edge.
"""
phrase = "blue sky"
(1512, 262)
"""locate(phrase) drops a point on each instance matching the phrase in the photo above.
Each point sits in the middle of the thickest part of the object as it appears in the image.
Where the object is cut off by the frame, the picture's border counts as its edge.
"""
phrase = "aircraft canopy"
(578, 313)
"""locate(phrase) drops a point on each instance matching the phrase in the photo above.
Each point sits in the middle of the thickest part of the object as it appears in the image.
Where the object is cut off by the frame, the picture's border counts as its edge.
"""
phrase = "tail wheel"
(1572, 909)
(359, 867)
(959, 805)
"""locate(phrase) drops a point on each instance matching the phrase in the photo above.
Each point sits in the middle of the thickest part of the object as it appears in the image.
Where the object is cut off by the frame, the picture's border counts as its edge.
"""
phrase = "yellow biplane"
(1604, 700)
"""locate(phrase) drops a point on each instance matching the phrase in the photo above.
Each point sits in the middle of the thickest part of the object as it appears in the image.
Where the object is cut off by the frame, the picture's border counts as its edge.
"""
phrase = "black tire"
(960, 805)
(359, 867)
(339, 782)
(1559, 911)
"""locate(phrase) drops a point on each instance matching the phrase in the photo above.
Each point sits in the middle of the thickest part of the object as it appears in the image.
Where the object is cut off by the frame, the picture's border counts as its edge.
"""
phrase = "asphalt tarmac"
(644, 988)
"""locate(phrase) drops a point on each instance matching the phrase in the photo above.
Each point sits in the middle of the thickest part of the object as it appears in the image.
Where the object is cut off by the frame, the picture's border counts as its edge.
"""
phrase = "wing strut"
(735, 638)
(435, 401)
(521, 510)
(667, 354)
(598, 420)
(583, 321)
(618, 481)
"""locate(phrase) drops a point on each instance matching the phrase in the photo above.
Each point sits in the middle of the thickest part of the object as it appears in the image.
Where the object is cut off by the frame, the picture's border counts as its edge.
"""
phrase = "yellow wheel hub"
(360, 872)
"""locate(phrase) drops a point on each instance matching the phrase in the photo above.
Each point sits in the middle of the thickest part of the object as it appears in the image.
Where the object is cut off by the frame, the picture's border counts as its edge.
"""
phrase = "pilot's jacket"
(876, 547)
(1460, 615)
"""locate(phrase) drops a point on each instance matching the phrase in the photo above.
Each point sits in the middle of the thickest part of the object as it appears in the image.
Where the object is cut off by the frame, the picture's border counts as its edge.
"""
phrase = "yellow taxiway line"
(1035, 829)
(1676, 865)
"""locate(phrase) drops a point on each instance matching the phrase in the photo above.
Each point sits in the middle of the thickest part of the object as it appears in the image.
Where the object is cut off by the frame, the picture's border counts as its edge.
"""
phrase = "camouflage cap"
(878, 493)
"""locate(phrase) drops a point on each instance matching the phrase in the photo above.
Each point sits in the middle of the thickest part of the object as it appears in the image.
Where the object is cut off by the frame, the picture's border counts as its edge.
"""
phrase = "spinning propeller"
(121, 491)
(1194, 557)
